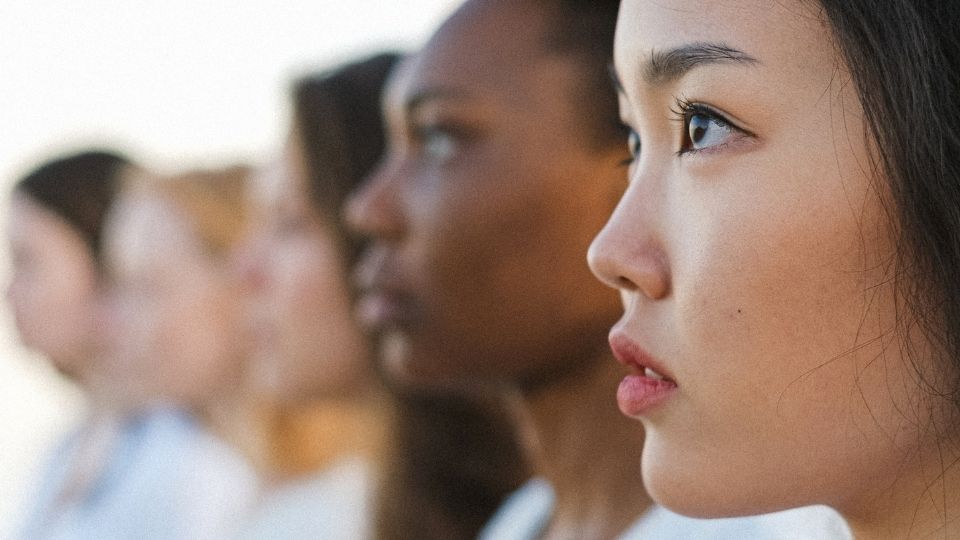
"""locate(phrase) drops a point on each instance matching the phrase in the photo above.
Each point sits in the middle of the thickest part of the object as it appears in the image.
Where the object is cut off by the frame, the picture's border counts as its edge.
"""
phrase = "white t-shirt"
(333, 504)
(526, 513)
(165, 478)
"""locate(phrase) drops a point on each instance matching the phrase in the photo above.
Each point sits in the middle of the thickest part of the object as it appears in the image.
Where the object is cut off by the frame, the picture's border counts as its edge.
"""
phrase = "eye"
(633, 144)
(437, 143)
(705, 129)
(705, 132)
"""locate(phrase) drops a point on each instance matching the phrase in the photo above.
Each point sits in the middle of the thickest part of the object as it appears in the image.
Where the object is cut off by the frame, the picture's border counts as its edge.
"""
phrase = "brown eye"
(633, 144)
(705, 131)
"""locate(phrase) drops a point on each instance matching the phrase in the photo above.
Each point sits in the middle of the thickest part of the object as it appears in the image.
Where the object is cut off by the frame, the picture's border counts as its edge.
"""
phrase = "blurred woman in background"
(123, 474)
(55, 225)
(323, 412)
(55, 230)
(172, 314)
(345, 456)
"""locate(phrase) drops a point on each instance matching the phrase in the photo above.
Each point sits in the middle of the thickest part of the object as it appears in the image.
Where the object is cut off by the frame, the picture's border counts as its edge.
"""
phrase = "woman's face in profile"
(172, 310)
(483, 208)
(52, 288)
(299, 311)
(753, 249)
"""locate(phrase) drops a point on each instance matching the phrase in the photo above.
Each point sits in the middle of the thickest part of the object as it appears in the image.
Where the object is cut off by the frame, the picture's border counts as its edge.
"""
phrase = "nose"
(628, 254)
(375, 209)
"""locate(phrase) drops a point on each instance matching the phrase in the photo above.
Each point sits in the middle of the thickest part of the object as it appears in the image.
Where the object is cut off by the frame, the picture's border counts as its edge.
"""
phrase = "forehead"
(30, 224)
(486, 46)
(271, 182)
(25, 217)
(146, 231)
(789, 35)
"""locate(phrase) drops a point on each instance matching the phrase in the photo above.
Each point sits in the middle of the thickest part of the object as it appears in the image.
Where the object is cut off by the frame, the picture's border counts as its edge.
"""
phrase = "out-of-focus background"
(178, 83)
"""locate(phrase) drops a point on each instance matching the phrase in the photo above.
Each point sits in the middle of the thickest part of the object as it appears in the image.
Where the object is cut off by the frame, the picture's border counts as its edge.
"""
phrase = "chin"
(407, 366)
(695, 480)
(675, 479)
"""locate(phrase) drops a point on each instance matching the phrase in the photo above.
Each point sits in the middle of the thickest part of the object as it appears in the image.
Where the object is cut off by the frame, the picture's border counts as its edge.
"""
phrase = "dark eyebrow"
(670, 65)
(419, 98)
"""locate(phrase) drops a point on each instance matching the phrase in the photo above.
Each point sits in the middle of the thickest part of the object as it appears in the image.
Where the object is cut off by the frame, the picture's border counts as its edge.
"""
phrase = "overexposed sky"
(177, 83)
(180, 79)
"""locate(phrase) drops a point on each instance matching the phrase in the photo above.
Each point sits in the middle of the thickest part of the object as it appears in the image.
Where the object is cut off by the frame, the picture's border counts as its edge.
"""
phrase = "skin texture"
(476, 269)
(306, 343)
(480, 214)
(173, 313)
(53, 288)
(757, 273)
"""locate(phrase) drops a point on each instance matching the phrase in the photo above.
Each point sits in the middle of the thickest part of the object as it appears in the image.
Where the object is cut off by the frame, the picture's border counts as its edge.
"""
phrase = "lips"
(382, 303)
(380, 309)
(647, 385)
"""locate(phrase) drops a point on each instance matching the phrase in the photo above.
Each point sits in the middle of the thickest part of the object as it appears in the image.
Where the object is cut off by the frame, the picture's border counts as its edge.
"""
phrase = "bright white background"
(176, 83)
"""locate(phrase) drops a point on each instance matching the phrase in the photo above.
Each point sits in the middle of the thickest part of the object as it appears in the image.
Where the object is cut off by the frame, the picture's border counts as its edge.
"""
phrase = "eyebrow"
(669, 65)
(423, 97)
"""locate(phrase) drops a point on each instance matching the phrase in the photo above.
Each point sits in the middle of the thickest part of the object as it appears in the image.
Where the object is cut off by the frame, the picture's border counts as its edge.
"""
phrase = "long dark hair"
(337, 115)
(451, 458)
(585, 30)
(904, 57)
(79, 188)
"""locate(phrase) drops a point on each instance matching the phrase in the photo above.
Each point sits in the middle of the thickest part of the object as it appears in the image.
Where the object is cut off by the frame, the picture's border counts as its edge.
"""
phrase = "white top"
(525, 514)
(333, 504)
(164, 478)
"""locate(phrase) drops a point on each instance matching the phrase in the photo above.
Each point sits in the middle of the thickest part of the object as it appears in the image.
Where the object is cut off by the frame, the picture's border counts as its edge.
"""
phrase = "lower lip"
(638, 394)
(377, 311)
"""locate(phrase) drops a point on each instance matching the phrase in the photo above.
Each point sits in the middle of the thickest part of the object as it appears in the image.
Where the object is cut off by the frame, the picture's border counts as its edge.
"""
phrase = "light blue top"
(333, 504)
(166, 478)
(526, 513)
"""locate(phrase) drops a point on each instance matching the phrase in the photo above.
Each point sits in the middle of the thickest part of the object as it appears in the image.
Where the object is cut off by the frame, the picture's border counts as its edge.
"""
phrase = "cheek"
(309, 290)
(789, 280)
(473, 235)
(55, 311)
(301, 281)
(783, 318)
(199, 343)
(316, 347)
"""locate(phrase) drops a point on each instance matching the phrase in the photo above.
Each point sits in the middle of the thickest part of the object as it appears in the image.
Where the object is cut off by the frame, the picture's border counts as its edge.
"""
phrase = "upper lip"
(375, 275)
(629, 353)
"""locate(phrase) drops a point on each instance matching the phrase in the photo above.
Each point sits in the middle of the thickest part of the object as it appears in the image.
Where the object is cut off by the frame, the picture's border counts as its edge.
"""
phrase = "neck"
(588, 451)
(287, 441)
(922, 501)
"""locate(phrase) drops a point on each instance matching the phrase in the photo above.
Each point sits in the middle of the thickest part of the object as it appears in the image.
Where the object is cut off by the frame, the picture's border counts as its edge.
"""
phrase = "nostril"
(625, 284)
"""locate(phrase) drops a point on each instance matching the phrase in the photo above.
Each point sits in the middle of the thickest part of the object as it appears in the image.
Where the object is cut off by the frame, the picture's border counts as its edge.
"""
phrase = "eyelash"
(683, 110)
(423, 132)
(628, 132)
(456, 134)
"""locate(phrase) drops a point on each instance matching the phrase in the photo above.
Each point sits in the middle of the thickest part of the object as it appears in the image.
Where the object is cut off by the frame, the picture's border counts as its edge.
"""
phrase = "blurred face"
(53, 289)
(484, 207)
(305, 341)
(173, 314)
(754, 256)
